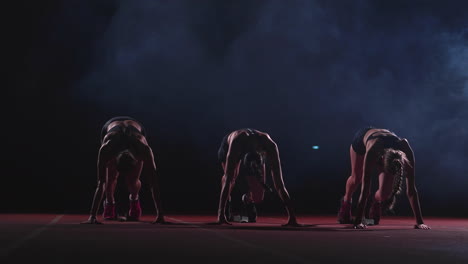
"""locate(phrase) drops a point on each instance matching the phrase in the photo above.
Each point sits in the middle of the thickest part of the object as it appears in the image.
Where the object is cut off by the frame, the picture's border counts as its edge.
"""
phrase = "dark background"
(307, 72)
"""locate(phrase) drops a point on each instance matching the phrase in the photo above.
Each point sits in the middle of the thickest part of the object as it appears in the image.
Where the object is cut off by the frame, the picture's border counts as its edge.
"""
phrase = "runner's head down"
(393, 163)
(253, 162)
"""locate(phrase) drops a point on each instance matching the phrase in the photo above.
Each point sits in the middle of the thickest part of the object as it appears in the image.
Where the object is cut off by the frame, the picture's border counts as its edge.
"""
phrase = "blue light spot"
(315, 147)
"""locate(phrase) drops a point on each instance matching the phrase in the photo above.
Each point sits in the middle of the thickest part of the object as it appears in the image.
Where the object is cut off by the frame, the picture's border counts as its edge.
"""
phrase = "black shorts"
(120, 118)
(358, 140)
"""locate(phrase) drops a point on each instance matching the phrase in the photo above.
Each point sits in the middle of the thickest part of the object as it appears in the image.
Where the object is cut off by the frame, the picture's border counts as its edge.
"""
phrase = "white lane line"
(4, 252)
(292, 259)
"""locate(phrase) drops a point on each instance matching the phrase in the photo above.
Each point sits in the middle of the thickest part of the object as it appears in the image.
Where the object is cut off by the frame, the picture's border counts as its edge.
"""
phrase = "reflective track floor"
(47, 238)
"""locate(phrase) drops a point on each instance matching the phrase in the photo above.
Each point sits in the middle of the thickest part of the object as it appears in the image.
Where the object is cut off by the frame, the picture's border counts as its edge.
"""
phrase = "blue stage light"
(315, 147)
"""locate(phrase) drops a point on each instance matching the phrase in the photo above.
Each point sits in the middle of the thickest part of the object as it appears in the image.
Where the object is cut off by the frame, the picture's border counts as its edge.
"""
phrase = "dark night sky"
(307, 72)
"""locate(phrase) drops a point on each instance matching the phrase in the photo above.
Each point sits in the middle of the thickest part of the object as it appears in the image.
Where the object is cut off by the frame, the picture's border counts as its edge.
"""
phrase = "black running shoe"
(251, 212)
(376, 212)
(228, 211)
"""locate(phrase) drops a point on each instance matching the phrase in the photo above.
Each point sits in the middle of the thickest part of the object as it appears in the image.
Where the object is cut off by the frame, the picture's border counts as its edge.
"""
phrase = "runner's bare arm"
(155, 188)
(232, 161)
(273, 159)
(411, 191)
(103, 158)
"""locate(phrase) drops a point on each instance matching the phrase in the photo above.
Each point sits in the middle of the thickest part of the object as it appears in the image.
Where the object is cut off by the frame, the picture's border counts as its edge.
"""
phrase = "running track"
(47, 238)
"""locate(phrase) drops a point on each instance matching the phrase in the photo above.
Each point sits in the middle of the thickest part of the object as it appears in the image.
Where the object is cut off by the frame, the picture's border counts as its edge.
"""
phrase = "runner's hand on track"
(422, 226)
(292, 223)
(223, 221)
(360, 226)
(92, 220)
(159, 220)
